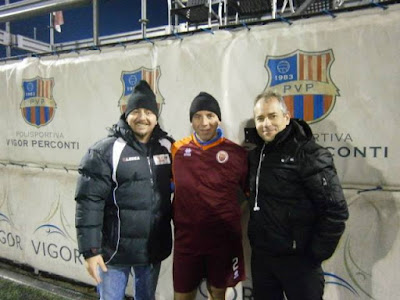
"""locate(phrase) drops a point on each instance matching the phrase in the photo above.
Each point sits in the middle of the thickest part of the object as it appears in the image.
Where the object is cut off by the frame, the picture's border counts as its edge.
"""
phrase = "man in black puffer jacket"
(298, 210)
(123, 201)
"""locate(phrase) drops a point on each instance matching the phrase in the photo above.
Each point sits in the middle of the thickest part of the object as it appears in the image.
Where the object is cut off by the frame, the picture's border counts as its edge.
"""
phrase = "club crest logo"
(303, 79)
(222, 156)
(38, 106)
(130, 79)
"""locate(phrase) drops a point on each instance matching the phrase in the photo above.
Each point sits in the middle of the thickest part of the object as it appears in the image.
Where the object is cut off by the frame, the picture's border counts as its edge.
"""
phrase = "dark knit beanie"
(204, 101)
(142, 97)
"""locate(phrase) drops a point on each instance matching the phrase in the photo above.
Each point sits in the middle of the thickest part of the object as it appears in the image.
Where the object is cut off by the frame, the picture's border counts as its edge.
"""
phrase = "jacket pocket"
(111, 231)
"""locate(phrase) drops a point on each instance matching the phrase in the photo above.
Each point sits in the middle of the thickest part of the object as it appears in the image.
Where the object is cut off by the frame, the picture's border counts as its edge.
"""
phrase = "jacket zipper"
(294, 244)
(153, 194)
(151, 171)
(152, 183)
(262, 156)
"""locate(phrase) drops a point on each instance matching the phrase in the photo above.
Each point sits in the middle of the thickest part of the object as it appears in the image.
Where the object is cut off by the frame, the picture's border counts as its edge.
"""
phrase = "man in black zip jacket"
(298, 210)
(123, 201)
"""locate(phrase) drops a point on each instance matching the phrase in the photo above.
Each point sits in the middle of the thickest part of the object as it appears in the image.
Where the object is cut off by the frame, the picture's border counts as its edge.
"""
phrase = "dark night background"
(115, 16)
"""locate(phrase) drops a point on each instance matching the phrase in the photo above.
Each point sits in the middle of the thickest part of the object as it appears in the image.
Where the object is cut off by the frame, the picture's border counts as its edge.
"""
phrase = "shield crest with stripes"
(38, 106)
(131, 78)
(303, 79)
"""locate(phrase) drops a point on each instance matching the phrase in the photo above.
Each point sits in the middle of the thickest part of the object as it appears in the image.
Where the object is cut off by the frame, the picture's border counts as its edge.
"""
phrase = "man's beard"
(140, 134)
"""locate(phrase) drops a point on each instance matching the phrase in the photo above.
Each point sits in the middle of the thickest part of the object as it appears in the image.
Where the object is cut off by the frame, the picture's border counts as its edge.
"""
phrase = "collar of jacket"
(297, 129)
(302, 130)
(219, 135)
(280, 138)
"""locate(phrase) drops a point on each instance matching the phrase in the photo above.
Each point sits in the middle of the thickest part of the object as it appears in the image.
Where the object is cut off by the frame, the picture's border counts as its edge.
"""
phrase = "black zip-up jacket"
(297, 203)
(123, 198)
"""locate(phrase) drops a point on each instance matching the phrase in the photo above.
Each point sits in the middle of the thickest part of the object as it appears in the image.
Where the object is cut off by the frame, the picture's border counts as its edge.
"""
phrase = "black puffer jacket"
(302, 209)
(123, 206)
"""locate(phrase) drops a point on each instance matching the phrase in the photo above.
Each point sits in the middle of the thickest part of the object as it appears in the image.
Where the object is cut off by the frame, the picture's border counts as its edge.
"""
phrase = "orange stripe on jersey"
(175, 146)
(216, 143)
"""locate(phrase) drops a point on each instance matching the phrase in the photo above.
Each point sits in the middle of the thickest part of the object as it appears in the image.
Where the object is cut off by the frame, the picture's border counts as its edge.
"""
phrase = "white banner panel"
(341, 75)
(37, 228)
(37, 225)
(37, 220)
(365, 265)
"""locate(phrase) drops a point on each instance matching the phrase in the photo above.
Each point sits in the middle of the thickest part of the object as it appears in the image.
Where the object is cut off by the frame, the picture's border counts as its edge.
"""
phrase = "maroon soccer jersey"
(206, 211)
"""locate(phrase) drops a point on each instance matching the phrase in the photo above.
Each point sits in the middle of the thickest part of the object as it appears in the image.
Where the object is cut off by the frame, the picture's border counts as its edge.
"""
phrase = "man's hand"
(91, 266)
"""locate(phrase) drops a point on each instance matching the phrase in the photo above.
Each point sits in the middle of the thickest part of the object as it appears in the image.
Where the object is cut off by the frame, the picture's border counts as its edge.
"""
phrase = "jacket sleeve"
(323, 188)
(93, 186)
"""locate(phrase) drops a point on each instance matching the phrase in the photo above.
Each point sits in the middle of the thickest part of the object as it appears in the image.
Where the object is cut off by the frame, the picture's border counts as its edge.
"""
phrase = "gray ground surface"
(43, 281)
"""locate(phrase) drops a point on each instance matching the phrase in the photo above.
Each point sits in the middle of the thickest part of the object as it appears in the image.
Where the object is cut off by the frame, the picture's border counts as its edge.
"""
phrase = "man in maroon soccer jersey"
(208, 172)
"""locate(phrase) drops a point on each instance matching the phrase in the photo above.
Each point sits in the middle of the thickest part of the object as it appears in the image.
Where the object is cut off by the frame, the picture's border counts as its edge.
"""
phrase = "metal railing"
(173, 29)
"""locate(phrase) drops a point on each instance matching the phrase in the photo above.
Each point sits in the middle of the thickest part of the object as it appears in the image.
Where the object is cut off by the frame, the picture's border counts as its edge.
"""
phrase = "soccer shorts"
(222, 268)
